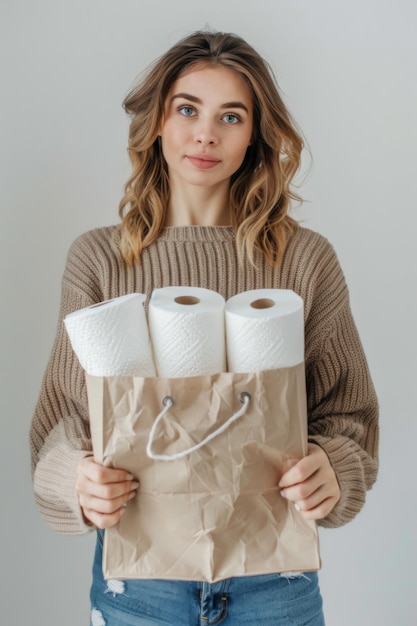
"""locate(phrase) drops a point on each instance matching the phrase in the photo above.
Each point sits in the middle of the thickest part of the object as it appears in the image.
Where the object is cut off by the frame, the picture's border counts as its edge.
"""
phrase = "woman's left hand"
(311, 484)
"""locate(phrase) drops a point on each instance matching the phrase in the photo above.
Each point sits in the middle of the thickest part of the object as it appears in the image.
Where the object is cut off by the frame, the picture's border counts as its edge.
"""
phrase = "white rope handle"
(243, 397)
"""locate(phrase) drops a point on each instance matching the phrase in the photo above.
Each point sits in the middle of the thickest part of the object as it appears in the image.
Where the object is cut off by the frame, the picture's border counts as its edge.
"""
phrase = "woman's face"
(207, 126)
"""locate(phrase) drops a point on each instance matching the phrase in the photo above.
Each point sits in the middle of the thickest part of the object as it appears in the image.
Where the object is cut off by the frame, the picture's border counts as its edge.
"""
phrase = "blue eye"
(231, 118)
(187, 111)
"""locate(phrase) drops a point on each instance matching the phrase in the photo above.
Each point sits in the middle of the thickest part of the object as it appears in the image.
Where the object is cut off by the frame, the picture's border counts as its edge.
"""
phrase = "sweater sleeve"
(342, 404)
(59, 433)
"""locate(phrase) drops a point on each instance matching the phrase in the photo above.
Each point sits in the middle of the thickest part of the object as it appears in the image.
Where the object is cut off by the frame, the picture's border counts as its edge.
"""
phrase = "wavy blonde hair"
(260, 190)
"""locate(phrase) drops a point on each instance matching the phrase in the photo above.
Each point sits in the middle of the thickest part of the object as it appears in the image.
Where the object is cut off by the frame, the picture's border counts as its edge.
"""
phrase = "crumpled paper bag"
(216, 512)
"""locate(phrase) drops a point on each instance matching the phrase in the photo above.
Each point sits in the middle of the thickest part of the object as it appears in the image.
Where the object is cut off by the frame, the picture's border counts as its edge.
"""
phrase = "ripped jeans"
(267, 600)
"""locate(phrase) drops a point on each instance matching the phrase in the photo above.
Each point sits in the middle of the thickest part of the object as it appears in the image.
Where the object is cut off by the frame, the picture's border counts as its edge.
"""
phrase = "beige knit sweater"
(342, 406)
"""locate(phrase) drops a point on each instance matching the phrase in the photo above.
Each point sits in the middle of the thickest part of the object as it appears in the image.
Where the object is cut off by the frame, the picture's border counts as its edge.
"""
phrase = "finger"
(319, 503)
(301, 480)
(313, 500)
(111, 490)
(298, 493)
(108, 491)
(300, 472)
(105, 506)
(319, 485)
(318, 512)
(315, 461)
(101, 520)
(101, 474)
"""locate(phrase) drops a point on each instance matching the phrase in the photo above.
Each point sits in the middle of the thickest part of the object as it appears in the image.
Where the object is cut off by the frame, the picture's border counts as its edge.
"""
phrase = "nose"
(205, 133)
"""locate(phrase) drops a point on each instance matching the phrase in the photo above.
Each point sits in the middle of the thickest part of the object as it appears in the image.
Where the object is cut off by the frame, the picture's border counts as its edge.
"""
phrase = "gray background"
(348, 73)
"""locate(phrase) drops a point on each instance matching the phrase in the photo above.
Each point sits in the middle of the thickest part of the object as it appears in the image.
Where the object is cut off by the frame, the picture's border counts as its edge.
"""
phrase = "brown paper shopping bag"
(208, 452)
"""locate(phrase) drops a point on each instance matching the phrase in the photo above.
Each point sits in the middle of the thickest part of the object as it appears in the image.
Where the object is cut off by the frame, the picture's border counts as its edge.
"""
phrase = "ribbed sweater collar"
(198, 233)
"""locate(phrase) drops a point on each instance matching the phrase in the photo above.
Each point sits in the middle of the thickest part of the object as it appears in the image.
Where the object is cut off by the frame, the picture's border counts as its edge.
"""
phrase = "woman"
(214, 152)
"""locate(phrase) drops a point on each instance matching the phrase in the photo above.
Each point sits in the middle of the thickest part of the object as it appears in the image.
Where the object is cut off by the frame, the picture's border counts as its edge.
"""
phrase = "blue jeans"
(270, 600)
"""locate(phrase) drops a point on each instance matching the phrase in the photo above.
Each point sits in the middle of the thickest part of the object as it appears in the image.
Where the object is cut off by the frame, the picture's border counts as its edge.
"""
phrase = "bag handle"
(244, 397)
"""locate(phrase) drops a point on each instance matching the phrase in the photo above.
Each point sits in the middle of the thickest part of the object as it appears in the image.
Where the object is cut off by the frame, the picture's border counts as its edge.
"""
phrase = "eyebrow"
(227, 105)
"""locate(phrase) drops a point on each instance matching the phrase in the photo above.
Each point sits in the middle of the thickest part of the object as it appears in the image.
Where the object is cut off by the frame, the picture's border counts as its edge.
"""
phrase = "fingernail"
(131, 495)
(297, 507)
(130, 477)
(135, 484)
(282, 494)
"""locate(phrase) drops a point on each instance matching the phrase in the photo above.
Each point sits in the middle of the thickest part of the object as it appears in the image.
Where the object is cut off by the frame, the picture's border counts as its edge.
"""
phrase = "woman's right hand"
(103, 492)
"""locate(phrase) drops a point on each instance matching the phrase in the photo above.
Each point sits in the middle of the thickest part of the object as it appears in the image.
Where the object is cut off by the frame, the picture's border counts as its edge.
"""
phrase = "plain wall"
(348, 74)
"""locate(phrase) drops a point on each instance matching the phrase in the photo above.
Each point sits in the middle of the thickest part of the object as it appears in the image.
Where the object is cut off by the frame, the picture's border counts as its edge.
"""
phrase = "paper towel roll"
(112, 338)
(264, 330)
(187, 331)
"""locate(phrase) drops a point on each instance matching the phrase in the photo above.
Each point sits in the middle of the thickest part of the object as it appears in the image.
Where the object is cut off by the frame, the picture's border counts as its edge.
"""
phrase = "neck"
(197, 206)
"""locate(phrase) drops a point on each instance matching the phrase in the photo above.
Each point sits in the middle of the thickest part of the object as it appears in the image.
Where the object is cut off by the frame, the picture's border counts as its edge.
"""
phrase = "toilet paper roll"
(264, 330)
(112, 338)
(187, 331)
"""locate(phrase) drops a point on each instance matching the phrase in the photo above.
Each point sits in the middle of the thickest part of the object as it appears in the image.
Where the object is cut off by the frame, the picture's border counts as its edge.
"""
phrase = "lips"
(203, 161)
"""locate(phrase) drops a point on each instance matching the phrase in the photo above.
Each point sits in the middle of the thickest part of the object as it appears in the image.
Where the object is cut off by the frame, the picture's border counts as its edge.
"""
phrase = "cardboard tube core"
(187, 300)
(262, 303)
